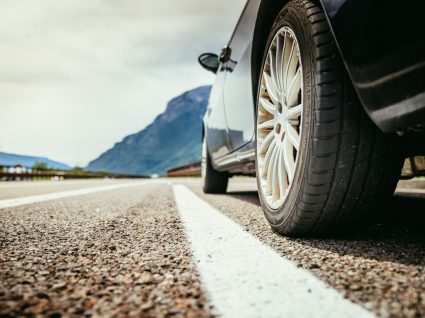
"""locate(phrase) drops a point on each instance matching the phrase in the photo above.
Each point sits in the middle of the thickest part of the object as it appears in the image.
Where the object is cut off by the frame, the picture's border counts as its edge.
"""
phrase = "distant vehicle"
(322, 100)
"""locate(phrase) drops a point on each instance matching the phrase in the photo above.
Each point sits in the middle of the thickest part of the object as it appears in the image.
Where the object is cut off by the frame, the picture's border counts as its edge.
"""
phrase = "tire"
(345, 167)
(213, 180)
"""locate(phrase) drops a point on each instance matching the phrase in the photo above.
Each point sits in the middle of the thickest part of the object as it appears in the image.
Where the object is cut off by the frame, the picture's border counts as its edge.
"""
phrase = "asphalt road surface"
(162, 248)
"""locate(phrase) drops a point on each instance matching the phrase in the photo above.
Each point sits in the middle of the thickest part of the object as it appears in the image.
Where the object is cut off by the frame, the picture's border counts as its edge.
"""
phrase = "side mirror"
(209, 61)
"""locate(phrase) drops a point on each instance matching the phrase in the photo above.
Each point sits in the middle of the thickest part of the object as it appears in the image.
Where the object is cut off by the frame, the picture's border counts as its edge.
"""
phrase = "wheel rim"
(279, 117)
(204, 159)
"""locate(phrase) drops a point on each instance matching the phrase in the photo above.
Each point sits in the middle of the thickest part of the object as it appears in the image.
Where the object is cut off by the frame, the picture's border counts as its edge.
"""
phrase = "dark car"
(322, 101)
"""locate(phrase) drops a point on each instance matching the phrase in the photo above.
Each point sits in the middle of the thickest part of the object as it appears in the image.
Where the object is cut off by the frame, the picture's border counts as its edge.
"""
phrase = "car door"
(216, 131)
(237, 92)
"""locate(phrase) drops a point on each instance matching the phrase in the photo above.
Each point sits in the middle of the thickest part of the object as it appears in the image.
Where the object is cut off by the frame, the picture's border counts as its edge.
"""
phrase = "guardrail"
(25, 173)
(189, 170)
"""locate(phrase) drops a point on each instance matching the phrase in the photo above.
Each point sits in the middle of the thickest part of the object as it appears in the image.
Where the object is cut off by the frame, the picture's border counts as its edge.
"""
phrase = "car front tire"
(330, 166)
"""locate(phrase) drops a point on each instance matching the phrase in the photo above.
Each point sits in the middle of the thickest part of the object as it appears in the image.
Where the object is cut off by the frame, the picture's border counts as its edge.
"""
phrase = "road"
(157, 248)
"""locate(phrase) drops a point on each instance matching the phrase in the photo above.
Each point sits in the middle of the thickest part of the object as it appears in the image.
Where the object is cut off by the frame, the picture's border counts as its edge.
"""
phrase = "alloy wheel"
(204, 159)
(279, 117)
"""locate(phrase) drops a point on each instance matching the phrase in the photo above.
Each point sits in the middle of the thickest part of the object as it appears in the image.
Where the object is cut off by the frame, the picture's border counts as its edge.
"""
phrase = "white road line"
(59, 195)
(246, 278)
(48, 183)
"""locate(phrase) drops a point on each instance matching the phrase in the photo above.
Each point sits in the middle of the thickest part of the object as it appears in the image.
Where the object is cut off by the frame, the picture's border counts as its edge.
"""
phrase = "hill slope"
(174, 138)
(10, 159)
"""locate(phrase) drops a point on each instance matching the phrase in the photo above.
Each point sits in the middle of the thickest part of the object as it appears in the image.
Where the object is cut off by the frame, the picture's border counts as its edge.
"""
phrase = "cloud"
(77, 76)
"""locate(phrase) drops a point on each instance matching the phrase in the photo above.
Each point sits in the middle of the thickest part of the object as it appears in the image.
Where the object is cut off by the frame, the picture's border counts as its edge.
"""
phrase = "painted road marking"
(47, 183)
(246, 278)
(65, 194)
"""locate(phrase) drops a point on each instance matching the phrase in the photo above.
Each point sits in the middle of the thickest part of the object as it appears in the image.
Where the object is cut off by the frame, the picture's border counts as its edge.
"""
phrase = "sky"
(76, 76)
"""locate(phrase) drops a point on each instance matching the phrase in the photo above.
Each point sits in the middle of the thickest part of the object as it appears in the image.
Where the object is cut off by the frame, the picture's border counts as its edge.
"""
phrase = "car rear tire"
(214, 181)
(344, 167)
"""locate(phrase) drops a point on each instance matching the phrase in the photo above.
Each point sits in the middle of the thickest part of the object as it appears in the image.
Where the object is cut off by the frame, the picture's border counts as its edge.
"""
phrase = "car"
(322, 101)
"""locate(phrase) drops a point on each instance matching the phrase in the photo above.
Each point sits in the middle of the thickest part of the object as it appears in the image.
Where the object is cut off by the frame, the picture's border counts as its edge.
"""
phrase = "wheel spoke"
(267, 106)
(271, 88)
(275, 176)
(270, 169)
(268, 124)
(288, 158)
(292, 136)
(265, 144)
(281, 59)
(294, 88)
(279, 46)
(295, 112)
(289, 54)
(281, 172)
(273, 71)
(267, 158)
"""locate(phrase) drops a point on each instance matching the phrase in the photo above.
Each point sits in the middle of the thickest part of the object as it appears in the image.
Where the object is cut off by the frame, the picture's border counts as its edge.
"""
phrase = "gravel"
(381, 268)
(124, 253)
(118, 253)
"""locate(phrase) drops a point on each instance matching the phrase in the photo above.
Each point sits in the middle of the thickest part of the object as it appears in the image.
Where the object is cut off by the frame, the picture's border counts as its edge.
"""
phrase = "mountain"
(174, 138)
(10, 159)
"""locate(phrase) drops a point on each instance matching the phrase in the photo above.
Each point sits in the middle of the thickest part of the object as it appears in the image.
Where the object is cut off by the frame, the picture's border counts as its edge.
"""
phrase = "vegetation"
(78, 170)
(40, 165)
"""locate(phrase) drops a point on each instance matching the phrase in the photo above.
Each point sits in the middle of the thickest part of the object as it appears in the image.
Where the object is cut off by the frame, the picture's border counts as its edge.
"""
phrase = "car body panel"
(238, 98)
(215, 125)
(382, 43)
(238, 103)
